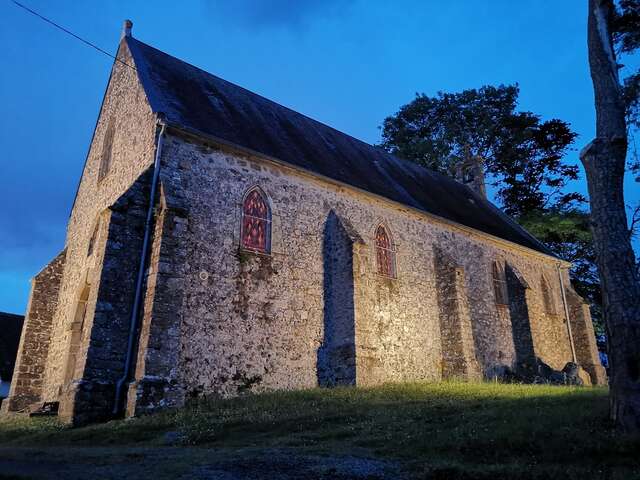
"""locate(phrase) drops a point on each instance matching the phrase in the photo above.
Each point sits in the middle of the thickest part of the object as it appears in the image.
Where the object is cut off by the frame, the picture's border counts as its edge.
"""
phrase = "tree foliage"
(523, 155)
(625, 27)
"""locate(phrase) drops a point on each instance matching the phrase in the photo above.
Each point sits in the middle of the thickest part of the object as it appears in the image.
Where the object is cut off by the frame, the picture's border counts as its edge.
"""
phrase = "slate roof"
(10, 330)
(198, 101)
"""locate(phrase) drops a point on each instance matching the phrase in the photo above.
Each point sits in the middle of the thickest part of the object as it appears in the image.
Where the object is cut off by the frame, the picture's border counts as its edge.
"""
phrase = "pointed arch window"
(499, 284)
(256, 222)
(547, 297)
(385, 253)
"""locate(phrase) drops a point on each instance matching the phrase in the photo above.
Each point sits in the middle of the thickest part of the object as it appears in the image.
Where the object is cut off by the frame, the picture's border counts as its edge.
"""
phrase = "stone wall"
(126, 112)
(28, 377)
(157, 380)
(254, 321)
(521, 319)
(337, 353)
(550, 330)
(458, 348)
(583, 337)
(100, 363)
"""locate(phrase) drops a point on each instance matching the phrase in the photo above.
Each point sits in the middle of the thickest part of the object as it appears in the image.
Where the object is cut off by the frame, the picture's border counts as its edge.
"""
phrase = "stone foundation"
(83, 402)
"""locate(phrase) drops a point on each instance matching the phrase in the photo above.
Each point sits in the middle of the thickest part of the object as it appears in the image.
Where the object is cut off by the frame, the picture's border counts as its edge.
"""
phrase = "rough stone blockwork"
(90, 396)
(131, 153)
(337, 354)
(520, 319)
(28, 377)
(458, 349)
(316, 308)
(584, 338)
(253, 321)
(157, 377)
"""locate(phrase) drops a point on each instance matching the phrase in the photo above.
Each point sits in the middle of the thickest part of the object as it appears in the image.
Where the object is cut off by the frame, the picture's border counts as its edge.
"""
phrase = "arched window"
(547, 297)
(385, 253)
(256, 222)
(499, 284)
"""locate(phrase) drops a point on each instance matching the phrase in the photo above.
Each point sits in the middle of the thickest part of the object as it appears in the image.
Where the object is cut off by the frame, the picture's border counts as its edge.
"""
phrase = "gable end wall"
(133, 148)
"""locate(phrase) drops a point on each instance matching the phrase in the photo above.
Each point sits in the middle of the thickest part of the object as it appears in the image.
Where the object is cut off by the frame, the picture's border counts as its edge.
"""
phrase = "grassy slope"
(448, 430)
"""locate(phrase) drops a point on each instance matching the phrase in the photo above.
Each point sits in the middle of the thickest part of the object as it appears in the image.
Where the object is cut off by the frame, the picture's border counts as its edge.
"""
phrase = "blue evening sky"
(346, 63)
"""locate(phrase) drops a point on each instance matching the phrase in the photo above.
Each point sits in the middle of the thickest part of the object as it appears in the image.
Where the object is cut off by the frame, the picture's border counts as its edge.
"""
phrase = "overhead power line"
(68, 32)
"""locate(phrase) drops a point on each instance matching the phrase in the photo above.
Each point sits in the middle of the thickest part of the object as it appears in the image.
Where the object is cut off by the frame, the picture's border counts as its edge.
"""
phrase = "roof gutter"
(135, 312)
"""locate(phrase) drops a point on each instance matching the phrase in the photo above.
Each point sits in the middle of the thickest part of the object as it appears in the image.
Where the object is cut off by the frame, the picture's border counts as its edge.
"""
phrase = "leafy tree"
(522, 154)
(625, 26)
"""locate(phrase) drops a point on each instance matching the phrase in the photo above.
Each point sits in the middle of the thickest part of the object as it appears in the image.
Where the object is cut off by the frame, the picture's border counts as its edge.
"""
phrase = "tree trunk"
(604, 162)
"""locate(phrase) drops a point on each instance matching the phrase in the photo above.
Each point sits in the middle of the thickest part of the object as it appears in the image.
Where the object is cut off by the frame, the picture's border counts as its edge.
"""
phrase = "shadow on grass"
(446, 430)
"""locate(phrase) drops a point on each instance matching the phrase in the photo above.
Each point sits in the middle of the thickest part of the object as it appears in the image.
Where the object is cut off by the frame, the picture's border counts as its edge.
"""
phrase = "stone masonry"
(397, 337)
(458, 349)
(28, 377)
(311, 311)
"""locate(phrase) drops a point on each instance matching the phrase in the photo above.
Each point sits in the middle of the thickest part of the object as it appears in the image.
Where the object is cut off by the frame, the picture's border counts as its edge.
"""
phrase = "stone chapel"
(221, 243)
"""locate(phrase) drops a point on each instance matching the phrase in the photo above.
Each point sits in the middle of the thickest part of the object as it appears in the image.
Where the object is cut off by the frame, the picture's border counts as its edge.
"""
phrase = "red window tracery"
(385, 253)
(256, 222)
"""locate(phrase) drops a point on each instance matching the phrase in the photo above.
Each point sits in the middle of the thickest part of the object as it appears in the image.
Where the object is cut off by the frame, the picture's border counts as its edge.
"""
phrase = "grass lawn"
(418, 430)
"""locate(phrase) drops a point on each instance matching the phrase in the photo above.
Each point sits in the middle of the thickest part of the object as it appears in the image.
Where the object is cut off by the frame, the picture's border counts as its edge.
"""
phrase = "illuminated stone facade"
(313, 301)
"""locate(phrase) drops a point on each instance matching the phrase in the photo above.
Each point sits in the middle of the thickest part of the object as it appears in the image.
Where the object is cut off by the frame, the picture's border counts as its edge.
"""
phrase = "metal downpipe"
(566, 313)
(133, 325)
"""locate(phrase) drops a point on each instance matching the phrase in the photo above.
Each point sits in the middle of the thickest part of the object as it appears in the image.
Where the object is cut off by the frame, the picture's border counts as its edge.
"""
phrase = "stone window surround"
(269, 220)
(393, 250)
(272, 234)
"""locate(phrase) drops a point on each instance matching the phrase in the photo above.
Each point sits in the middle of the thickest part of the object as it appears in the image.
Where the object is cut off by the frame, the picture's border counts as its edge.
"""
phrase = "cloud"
(265, 14)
